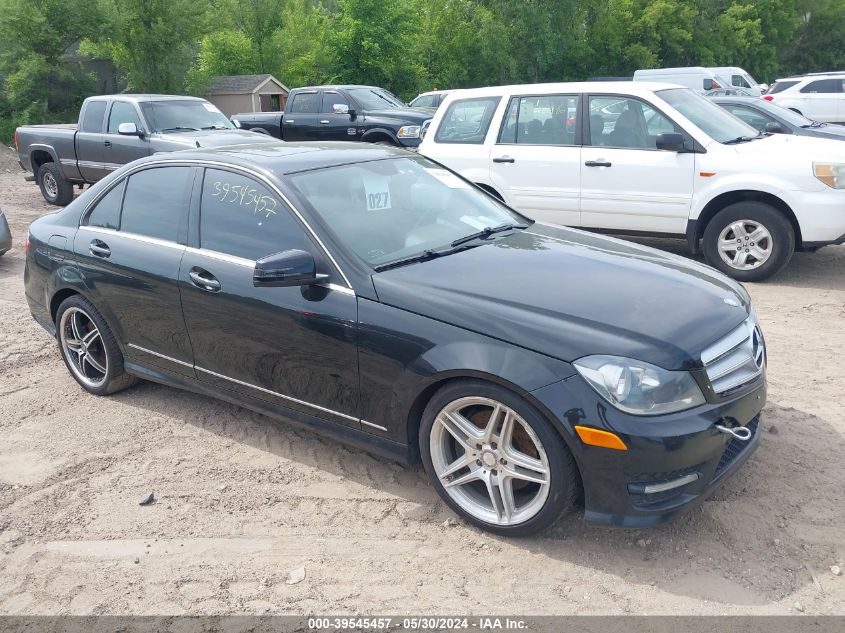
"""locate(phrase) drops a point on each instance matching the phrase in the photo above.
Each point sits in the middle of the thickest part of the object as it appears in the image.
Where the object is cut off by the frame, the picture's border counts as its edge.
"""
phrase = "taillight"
(768, 97)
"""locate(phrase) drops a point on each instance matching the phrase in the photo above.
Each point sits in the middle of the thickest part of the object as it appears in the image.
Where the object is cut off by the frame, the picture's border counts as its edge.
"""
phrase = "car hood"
(409, 115)
(568, 294)
(218, 138)
(829, 131)
(792, 146)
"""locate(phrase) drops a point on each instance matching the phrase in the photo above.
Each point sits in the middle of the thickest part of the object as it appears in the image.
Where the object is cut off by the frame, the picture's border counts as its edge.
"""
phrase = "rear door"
(820, 100)
(120, 149)
(89, 140)
(626, 182)
(302, 116)
(129, 248)
(335, 127)
(536, 160)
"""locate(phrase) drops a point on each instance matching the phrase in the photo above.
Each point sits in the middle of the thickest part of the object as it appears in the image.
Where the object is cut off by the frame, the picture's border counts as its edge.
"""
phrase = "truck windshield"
(376, 99)
(710, 118)
(178, 116)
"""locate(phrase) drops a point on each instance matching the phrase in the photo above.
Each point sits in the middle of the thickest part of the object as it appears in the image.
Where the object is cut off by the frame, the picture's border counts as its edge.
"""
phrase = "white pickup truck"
(647, 158)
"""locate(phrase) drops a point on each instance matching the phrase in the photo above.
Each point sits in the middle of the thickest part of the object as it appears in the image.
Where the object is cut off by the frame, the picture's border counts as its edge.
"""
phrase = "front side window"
(425, 101)
(95, 111)
(541, 120)
(155, 202)
(330, 99)
(739, 80)
(179, 115)
(626, 123)
(467, 121)
(706, 115)
(388, 210)
(239, 216)
(823, 86)
(305, 103)
(106, 213)
(123, 112)
(755, 119)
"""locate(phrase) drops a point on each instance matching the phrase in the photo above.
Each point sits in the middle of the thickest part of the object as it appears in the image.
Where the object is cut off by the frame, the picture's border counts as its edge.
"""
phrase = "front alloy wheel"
(495, 460)
(745, 245)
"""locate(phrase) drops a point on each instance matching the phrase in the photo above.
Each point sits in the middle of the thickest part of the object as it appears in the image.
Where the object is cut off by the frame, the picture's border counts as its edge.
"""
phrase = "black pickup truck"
(114, 130)
(341, 113)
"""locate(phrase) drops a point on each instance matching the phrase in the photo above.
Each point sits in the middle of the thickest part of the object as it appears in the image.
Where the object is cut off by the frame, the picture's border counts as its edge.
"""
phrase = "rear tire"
(54, 187)
(749, 241)
(514, 476)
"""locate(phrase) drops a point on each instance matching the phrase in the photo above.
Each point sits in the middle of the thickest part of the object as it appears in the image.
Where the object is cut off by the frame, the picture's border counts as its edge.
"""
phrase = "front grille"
(736, 359)
(735, 447)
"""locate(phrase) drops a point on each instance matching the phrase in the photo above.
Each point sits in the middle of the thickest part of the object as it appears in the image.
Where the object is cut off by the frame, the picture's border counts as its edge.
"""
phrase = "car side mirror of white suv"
(670, 142)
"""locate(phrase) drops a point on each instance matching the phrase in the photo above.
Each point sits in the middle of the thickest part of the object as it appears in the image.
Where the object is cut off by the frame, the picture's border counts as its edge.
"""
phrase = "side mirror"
(236, 123)
(129, 129)
(670, 142)
(340, 108)
(773, 127)
(352, 114)
(288, 268)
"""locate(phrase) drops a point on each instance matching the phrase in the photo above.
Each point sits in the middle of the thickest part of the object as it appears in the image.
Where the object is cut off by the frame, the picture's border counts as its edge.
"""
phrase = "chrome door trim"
(149, 351)
(135, 237)
(375, 426)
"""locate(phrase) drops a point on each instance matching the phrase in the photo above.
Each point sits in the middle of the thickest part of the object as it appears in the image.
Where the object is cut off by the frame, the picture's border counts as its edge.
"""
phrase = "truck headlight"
(831, 174)
(639, 388)
(409, 131)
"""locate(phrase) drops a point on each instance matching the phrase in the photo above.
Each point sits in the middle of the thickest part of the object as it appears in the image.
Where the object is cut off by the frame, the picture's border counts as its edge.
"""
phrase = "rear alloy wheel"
(89, 349)
(55, 189)
(749, 241)
(495, 460)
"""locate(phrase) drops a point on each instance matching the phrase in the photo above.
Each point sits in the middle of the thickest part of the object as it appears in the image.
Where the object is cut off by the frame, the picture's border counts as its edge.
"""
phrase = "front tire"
(495, 460)
(54, 187)
(89, 348)
(749, 241)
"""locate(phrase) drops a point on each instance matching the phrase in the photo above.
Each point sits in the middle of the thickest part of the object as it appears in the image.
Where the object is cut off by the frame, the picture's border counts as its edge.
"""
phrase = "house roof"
(242, 84)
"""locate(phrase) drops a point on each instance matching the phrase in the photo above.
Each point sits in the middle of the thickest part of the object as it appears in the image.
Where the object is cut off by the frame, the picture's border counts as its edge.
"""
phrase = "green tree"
(221, 53)
(258, 20)
(299, 49)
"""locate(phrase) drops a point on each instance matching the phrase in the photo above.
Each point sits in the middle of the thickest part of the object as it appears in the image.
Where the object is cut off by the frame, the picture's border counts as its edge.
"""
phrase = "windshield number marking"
(245, 197)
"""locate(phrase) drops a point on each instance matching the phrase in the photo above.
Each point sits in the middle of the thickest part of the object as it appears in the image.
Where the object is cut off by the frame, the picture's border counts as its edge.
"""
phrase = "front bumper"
(673, 462)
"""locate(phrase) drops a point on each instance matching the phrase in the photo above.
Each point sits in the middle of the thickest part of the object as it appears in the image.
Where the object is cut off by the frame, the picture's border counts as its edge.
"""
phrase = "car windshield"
(717, 123)
(390, 210)
(178, 116)
(376, 99)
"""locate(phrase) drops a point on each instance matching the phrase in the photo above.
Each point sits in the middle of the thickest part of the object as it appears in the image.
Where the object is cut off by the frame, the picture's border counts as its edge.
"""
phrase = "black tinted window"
(106, 213)
(823, 86)
(467, 121)
(306, 102)
(240, 216)
(122, 112)
(780, 86)
(93, 119)
(155, 201)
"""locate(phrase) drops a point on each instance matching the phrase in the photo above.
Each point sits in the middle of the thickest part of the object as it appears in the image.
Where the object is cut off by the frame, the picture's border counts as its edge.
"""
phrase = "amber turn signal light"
(597, 437)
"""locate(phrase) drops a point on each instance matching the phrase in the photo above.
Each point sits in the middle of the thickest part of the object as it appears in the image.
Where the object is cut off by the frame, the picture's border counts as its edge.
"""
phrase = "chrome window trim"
(226, 166)
(135, 236)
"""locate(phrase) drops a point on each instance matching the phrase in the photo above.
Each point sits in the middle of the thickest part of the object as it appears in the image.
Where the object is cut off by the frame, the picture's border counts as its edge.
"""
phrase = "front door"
(294, 347)
(335, 127)
(626, 182)
(820, 100)
(536, 161)
(302, 116)
(120, 148)
(128, 249)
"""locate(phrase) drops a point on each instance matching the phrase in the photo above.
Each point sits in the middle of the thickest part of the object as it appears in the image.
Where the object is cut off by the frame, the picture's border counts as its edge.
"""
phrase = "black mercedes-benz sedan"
(373, 295)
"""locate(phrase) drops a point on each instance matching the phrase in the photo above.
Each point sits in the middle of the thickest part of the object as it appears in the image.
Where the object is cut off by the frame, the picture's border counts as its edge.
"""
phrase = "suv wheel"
(495, 460)
(749, 241)
(55, 189)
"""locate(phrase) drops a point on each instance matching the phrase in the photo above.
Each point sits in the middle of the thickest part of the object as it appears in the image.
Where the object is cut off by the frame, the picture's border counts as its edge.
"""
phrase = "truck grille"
(735, 360)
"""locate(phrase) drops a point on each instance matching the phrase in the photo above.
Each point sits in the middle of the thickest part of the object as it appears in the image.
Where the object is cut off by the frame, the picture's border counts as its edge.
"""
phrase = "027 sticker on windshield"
(377, 192)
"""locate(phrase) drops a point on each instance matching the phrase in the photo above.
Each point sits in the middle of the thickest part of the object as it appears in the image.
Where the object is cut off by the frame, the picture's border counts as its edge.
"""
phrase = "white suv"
(818, 96)
(647, 158)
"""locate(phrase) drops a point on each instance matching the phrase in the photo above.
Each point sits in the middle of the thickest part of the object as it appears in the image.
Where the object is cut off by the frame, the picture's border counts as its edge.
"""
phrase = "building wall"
(232, 104)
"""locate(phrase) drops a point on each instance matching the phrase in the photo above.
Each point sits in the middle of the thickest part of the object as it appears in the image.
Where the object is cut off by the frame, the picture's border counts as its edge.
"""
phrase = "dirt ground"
(244, 503)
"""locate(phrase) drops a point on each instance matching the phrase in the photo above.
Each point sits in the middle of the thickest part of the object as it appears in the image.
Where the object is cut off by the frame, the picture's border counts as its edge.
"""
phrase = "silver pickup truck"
(116, 129)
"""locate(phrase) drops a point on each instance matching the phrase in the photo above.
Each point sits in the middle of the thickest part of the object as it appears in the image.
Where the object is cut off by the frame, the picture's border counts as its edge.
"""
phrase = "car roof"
(284, 158)
(633, 88)
(339, 87)
(146, 97)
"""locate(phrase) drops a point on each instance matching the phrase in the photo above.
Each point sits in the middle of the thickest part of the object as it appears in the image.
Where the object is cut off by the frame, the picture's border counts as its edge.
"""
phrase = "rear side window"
(122, 112)
(306, 102)
(780, 86)
(155, 202)
(823, 86)
(106, 213)
(467, 121)
(541, 120)
(239, 216)
(92, 121)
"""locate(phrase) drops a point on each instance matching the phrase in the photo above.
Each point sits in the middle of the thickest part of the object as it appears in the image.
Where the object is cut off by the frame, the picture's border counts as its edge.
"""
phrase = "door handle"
(204, 279)
(504, 159)
(100, 249)
(289, 121)
(324, 122)
(598, 163)
(107, 143)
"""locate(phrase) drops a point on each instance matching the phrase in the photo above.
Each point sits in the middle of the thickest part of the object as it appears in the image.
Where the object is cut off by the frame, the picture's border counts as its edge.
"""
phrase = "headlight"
(639, 388)
(409, 131)
(831, 174)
